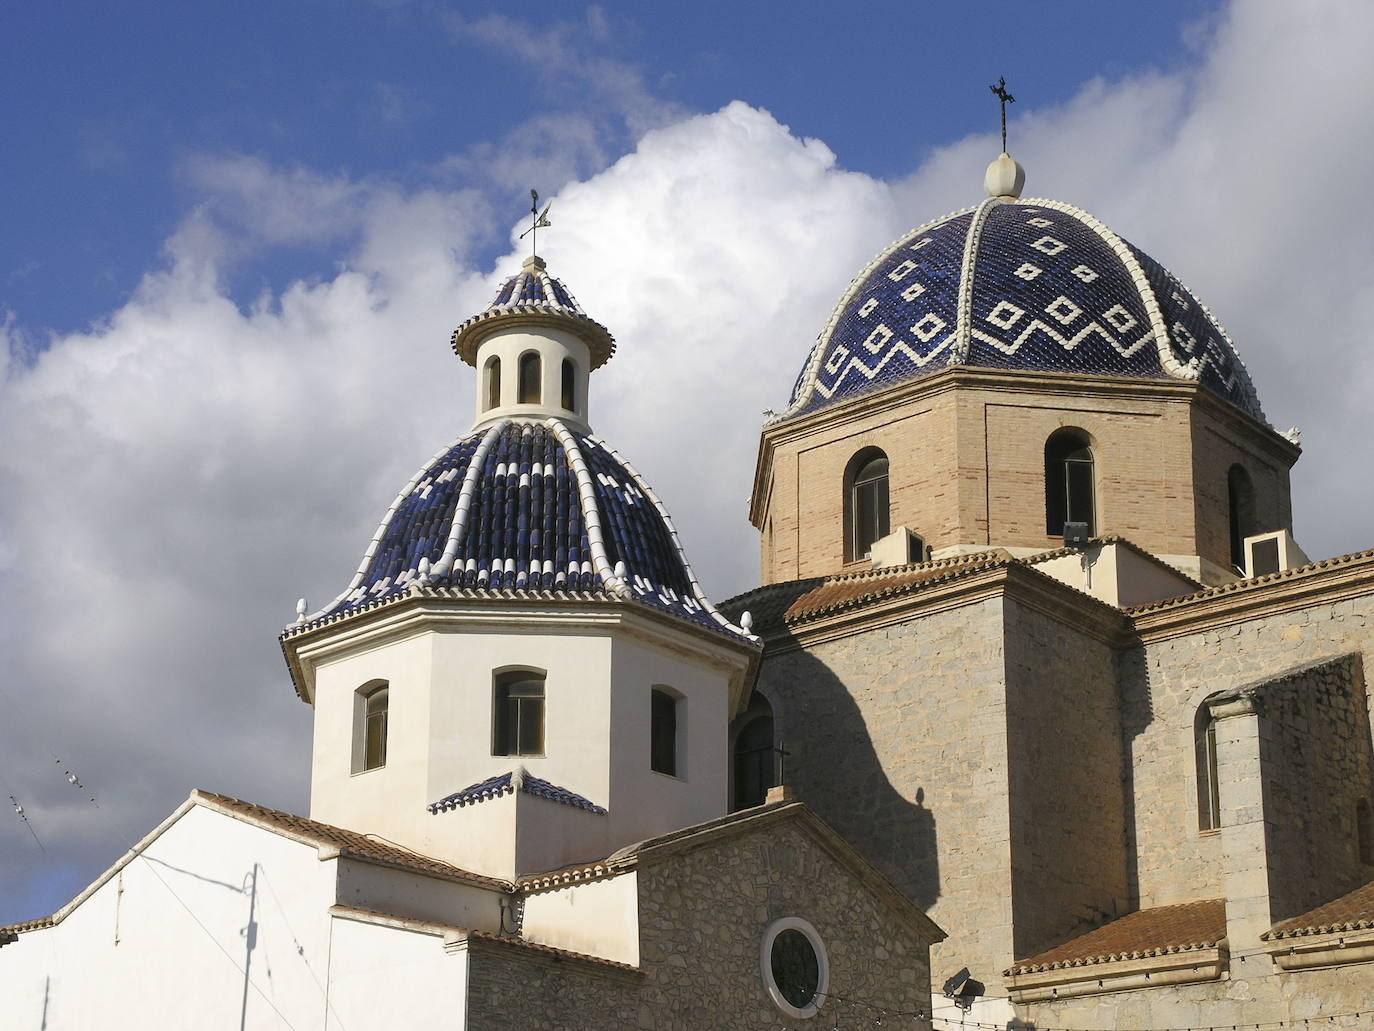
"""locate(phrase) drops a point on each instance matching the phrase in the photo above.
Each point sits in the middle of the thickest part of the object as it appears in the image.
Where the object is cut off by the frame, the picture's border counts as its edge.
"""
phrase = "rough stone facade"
(1178, 663)
(703, 912)
(897, 739)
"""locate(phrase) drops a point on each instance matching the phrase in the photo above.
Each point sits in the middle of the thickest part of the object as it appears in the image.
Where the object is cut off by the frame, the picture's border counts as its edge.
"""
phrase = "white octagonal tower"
(523, 672)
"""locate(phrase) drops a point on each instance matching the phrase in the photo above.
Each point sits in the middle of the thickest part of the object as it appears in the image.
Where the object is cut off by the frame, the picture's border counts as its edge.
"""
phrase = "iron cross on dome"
(1000, 92)
(538, 220)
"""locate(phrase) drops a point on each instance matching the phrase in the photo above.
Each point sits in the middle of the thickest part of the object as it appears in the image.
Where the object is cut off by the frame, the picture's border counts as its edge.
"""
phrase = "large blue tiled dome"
(525, 508)
(1029, 285)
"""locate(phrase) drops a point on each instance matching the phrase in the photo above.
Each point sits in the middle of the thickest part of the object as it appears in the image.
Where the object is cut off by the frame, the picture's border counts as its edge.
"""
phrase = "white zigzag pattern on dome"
(1067, 343)
(809, 380)
(899, 346)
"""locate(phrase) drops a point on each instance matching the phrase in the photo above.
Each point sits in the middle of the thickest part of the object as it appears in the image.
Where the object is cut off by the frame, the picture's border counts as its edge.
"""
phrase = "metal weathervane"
(1000, 92)
(538, 220)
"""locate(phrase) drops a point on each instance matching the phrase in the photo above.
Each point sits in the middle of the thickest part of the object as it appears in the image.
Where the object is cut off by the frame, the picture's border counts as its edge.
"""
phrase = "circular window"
(795, 968)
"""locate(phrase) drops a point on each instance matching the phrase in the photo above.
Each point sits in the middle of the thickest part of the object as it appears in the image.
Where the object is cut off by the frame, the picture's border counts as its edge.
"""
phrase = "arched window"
(663, 731)
(866, 508)
(1240, 498)
(369, 727)
(518, 713)
(1069, 490)
(491, 374)
(569, 385)
(753, 759)
(1205, 749)
(530, 374)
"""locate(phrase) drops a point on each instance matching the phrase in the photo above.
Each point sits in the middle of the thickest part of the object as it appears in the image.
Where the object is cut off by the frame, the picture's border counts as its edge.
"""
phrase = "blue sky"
(107, 104)
(237, 237)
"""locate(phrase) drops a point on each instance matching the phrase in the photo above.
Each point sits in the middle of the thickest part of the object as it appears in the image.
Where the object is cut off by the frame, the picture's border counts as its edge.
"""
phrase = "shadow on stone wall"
(1137, 714)
(824, 731)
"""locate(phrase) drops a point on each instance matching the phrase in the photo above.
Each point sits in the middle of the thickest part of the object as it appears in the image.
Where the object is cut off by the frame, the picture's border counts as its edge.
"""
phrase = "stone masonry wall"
(898, 740)
(702, 917)
(511, 992)
(1315, 767)
(1163, 682)
(1066, 774)
(1327, 997)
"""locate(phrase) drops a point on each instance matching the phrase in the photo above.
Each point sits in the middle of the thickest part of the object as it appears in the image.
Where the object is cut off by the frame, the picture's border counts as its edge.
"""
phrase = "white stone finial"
(517, 778)
(746, 622)
(424, 570)
(620, 571)
(1004, 177)
(301, 609)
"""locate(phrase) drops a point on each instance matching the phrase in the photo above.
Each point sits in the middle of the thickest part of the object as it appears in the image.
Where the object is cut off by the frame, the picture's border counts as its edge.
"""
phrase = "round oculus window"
(795, 968)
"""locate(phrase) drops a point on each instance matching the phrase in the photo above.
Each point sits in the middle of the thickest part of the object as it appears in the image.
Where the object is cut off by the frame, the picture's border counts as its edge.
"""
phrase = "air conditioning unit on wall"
(1272, 552)
(898, 548)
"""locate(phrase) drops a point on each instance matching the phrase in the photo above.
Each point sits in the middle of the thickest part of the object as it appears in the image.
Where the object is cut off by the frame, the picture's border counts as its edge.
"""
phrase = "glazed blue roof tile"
(525, 528)
(494, 787)
(1050, 289)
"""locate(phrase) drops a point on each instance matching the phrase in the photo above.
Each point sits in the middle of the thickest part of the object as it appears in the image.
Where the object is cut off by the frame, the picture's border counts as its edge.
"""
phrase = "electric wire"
(74, 781)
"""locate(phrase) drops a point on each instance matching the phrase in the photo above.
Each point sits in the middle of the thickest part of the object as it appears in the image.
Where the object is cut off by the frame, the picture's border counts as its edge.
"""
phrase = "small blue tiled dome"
(532, 297)
(535, 508)
(1032, 285)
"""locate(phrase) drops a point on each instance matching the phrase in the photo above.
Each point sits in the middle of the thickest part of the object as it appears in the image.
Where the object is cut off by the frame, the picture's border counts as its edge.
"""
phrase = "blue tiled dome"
(531, 508)
(533, 297)
(1035, 285)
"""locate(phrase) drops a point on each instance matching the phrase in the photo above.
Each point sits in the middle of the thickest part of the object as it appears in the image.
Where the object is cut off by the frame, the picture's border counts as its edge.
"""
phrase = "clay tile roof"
(800, 600)
(1148, 932)
(1351, 912)
(28, 925)
(1355, 558)
(349, 843)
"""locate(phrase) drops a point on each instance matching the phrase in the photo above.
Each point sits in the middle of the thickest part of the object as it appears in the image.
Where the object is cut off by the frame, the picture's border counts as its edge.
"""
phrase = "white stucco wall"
(390, 979)
(598, 918)
(165, 942)
(552, 345)
(598, 682)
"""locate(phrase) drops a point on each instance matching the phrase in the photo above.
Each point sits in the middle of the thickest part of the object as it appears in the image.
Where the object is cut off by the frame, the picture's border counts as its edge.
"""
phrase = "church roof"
(529, 507)
(507, 784)
(533, 296)
(1353, 911)
(1033, 285)
(1159, 931)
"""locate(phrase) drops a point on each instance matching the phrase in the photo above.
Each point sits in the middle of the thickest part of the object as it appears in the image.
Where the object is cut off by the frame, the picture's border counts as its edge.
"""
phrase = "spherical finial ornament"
(1004, 177)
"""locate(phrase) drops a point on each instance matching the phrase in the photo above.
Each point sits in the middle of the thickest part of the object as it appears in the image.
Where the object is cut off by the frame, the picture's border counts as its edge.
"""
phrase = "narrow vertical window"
(1240, 499)
(518, 714)
(1070, 492)
(1208, 790)
(569, 385)
(663, 732)
(753, 767)
(375, 702)
(492, 374)
(530, 374)
(866, 503)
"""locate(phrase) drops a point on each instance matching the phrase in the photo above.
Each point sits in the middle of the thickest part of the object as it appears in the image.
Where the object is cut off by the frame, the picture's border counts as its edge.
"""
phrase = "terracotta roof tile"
(1148, 932)
(28, 925)
(348, 842)
(1255, 583)
(797, 601)
(1353, 911)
